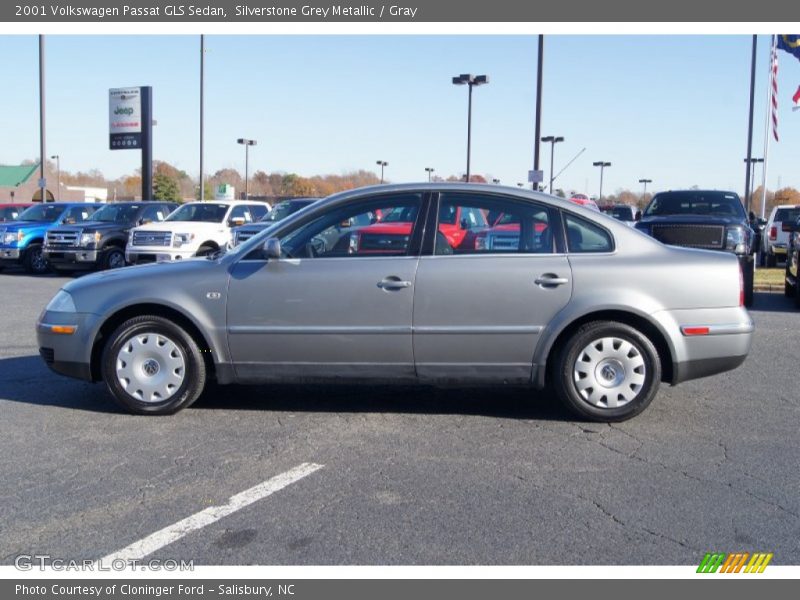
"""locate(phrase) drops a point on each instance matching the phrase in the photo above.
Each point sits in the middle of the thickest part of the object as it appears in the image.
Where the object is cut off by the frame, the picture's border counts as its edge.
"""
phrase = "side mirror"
(638, 216)
(464, 224)
(237, 222)
(272, 248)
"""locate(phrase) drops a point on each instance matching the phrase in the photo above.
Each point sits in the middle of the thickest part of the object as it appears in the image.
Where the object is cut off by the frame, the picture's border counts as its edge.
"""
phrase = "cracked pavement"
(412, 475)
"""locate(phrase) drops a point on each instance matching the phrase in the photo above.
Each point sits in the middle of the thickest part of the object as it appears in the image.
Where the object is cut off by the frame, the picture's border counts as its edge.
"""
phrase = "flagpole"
(772, 59)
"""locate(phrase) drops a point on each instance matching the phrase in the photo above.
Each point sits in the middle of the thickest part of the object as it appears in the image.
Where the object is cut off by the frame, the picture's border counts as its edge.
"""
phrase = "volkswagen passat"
(571, 299)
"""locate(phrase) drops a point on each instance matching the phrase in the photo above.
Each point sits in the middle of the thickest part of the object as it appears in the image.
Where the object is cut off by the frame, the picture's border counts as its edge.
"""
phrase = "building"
(20, 183)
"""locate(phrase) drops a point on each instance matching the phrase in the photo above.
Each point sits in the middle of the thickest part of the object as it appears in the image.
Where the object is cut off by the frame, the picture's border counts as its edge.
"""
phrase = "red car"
(10, 212)
(390, 234)
(584, 200)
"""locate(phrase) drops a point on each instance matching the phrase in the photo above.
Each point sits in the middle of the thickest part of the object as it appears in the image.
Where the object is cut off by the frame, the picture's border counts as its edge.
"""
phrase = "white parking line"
(159, 539)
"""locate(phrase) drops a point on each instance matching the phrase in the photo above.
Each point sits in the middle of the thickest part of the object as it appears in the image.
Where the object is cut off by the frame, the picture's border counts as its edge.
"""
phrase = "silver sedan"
(423, 283)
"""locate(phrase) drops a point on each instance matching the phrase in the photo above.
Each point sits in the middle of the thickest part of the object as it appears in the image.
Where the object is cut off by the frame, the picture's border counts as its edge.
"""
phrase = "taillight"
(741, 286)
(773, 232)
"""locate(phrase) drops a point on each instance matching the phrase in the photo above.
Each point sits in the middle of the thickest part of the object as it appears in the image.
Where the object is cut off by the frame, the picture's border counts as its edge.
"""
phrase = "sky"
(663, 107)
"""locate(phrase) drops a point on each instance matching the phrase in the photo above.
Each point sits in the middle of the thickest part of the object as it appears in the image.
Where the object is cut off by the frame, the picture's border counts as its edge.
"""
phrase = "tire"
(788, 290)
(34, 262)
(114, 258)
(796, 293)
(144, 348)
(625, 358)
(205, 250)
(771, 260)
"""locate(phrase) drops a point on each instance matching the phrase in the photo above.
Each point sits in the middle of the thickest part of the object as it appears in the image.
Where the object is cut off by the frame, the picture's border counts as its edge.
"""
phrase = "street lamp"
(645, 182)
(553, 141)
(602, 166)
(247, 143)
(383, 164)
(470, 81)
(58, 170)
(752, 168)
(429, 170)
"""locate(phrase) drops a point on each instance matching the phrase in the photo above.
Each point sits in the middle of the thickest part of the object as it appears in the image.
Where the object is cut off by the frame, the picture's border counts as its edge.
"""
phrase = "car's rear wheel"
(607, 371)
(152, 366)
(34, 261)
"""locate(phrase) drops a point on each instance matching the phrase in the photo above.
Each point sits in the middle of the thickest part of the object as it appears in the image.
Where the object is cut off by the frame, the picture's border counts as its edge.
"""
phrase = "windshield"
(42, 212)
(205, 212)
(623, 213)
(283, 209)
(400, 214)
(116, 214)
(719, 204)
(9, 213)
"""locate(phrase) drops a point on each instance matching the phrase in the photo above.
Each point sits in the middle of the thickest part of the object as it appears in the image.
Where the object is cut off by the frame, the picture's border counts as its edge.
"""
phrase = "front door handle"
(549, 279)
(393, 283)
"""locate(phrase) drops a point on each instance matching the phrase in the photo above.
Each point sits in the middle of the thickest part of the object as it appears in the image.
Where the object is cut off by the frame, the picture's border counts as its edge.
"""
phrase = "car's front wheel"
(152, 366)
(114, 258)
(34, 261)
(607, 371)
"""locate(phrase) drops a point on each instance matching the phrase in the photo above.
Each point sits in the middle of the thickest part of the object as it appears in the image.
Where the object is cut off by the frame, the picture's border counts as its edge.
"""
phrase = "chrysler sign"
(125, 118)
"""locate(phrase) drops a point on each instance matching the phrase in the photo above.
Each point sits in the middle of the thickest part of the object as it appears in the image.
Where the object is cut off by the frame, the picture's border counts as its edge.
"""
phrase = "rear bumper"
(704, 367)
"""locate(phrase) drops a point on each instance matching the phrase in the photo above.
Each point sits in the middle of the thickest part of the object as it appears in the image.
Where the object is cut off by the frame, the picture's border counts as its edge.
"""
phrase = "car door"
(330, 307)
(480, 307)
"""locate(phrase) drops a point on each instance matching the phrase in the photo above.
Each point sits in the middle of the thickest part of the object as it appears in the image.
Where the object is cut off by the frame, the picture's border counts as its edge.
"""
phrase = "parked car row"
(79, 236)
(419, 283)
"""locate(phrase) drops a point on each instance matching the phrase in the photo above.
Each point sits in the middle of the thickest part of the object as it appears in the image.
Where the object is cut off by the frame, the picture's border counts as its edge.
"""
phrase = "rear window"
(787, 214)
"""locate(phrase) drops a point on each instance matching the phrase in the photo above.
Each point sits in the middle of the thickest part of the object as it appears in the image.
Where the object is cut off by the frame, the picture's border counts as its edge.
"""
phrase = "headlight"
(482, 242)
(353, 243)
(182, 238)
(90, 238)
(736, 240)
(11, 237)
(62, 302)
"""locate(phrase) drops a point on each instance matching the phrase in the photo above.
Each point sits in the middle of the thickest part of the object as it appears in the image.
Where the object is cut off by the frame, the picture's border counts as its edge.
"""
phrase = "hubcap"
(116, 260)
(38, 261)
(150, 367)
(609, 372)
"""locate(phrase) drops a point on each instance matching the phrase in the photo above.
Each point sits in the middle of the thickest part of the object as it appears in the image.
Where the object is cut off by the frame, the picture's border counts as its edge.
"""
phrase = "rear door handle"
(393, 283)
(550, 279)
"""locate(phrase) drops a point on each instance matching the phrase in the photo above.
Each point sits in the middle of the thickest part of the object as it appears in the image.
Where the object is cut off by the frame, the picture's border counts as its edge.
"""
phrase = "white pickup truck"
(194, 229)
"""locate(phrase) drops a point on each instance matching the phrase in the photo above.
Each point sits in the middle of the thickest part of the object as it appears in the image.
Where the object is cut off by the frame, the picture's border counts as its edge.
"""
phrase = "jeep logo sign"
(125, 118)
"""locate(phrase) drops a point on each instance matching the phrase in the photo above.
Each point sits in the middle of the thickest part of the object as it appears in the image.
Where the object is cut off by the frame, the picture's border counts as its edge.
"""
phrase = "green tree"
(165, 188)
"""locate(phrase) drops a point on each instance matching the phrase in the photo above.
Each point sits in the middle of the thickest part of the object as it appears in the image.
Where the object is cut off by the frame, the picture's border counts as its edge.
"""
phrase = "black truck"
(707, 219)
(100, 243)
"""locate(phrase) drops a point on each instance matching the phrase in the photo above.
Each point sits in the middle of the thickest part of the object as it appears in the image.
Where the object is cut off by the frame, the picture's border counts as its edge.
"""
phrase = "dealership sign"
(125, 118)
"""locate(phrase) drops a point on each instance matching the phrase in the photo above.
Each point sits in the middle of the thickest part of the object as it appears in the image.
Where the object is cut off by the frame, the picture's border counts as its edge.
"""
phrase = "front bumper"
(77, 257)
(143, 254)
(67, 354)
(9, 254)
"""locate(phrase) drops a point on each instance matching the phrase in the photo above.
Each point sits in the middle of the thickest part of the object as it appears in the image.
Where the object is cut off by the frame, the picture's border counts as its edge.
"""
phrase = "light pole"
(247, 143)
(58, 170)
(383, 164)
(645, 182)
(602, 166)
(751, 171)
(429, 171)
(553, 141)
(470, 81)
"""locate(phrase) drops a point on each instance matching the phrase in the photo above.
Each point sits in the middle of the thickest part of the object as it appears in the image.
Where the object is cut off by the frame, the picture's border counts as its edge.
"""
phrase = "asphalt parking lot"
(405, 475)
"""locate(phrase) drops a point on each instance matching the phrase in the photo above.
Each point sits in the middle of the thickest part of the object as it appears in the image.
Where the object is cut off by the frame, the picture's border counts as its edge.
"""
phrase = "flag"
(774, 95)
(790, 43)
(796, 99)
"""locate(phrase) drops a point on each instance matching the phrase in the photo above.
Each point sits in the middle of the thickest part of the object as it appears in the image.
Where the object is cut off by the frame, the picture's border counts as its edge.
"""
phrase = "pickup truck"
(195, 229)
(706, 219)
(279, 212)
(100, 243)
(21, 240)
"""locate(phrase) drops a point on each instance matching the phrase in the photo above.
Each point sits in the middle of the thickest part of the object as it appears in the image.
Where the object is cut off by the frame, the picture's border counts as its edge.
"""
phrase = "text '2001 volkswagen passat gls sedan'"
(427, 283)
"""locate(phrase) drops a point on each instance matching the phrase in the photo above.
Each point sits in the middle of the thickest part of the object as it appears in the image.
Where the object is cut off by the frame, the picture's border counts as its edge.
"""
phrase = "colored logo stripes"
(734, 563)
